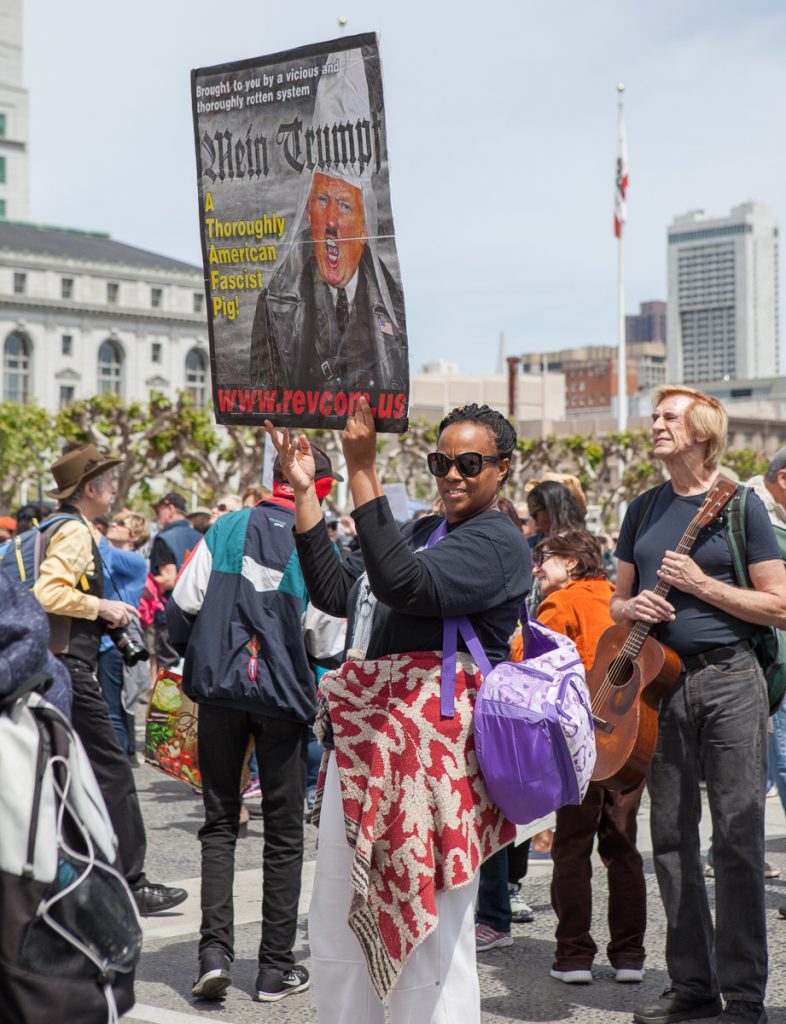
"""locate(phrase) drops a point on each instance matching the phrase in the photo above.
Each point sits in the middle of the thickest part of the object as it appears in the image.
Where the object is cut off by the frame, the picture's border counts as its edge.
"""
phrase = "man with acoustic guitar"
(714, 718)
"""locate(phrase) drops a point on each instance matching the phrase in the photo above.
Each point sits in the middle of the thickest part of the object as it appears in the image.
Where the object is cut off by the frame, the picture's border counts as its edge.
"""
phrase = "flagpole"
(622, 365)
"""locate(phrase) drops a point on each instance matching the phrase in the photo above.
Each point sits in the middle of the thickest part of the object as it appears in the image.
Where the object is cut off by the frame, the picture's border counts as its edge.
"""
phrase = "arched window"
(196, 376)
(16, 367)
(110, 368)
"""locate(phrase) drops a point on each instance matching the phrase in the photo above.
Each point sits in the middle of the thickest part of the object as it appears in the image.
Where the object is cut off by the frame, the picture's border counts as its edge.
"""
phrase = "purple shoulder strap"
(534, 643)
(450, 630)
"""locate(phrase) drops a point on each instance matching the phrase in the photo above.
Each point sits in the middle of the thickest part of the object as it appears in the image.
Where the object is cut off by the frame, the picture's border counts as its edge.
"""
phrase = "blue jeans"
(716, 717)
(776, 754)
(110, 676)
(493, 893)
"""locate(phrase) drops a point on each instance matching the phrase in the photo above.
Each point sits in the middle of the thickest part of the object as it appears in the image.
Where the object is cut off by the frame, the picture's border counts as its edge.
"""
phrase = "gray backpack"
(71, 936)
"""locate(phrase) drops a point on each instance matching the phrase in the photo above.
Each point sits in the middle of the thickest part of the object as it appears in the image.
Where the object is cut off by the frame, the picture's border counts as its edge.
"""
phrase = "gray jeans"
(715, 718)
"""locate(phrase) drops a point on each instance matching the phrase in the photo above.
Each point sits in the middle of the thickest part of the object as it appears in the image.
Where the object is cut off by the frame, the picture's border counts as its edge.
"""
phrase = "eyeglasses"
(468, 463)
(222, 507)
(544, 556)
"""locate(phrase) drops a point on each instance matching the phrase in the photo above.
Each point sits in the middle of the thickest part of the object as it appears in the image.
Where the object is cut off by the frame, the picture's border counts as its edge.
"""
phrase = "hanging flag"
(621, 184)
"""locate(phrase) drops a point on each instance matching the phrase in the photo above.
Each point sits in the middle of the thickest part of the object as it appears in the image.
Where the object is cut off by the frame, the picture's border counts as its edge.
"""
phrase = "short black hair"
(503, 431)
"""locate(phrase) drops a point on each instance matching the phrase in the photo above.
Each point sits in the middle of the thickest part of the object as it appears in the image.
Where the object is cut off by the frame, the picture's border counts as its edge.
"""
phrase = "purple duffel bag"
(534, 734)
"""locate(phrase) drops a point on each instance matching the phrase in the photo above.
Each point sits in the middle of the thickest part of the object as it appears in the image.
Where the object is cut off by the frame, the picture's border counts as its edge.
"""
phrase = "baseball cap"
(324, 467)
(777, 463)
(174, 499)
(7, 523)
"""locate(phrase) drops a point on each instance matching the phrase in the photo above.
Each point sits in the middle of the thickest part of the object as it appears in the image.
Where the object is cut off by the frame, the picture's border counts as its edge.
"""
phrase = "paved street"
(515, 982)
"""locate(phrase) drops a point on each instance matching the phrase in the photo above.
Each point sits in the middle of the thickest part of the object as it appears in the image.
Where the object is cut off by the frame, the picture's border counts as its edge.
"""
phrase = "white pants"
(439, 984)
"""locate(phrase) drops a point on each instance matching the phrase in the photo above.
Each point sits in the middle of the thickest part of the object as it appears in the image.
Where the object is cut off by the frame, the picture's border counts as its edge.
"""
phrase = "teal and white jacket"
(236, 612)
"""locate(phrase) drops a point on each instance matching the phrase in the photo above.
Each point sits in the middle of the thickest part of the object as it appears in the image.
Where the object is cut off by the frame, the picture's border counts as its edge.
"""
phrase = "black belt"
(715, 655)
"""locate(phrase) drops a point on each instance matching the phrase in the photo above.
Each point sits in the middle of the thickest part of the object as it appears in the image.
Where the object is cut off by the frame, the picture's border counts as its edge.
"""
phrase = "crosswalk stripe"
(185, 920)
(157, 1015)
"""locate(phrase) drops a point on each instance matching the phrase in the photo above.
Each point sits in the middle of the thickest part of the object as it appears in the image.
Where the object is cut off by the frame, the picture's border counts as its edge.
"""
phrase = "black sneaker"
(273, 984)
(673, 1007)
(155, 899)
(213, 978)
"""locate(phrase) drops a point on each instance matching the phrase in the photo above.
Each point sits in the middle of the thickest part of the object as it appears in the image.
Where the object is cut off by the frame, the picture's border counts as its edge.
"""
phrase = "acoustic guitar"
(633, 671)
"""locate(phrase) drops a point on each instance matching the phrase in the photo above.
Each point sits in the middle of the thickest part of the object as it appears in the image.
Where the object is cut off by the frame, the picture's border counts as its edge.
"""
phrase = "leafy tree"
(173, 440)
(176, 441)
(745, 462)
(402, 459)
(27, 446)
(144, 435)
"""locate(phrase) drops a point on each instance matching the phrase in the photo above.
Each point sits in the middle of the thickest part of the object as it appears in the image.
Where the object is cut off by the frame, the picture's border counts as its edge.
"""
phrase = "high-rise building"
(723, 295)
(649, 324)
(13, 115)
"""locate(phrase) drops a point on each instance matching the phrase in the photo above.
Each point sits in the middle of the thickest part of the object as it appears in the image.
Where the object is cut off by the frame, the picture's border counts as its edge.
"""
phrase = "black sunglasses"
(468, 463)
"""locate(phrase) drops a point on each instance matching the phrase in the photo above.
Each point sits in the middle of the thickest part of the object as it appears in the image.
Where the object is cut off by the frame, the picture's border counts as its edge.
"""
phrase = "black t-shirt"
(481, 568)
(160, 555)
(698, 626)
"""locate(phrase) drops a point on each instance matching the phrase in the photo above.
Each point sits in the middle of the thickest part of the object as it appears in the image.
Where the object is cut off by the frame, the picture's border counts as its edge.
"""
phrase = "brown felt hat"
(77, 467)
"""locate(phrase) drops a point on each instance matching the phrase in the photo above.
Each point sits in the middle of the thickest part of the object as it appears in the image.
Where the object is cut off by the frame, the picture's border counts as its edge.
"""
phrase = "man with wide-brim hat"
(76, 467)
(70, 589)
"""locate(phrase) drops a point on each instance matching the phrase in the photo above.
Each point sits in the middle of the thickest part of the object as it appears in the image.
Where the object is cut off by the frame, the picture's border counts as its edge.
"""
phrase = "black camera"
(132, 650)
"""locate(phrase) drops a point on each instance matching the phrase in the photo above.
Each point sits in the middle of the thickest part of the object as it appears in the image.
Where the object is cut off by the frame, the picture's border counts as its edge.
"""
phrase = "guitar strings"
(619, 667)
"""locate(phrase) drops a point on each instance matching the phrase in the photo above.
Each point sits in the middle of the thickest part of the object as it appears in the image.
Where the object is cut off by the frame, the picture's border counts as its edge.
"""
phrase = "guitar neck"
(641, 630)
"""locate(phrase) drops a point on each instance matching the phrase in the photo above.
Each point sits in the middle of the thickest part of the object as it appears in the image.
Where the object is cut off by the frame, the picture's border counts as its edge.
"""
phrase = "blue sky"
(501, 129)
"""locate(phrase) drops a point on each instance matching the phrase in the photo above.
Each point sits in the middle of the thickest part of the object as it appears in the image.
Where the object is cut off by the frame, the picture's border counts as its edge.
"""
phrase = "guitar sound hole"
(620, 671)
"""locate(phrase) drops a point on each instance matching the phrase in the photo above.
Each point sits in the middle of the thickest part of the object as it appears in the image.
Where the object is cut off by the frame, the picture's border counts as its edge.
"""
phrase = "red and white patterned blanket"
(416, 809)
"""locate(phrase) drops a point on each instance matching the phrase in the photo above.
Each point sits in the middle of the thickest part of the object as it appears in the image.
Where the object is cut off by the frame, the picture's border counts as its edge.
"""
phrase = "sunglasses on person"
(222, 508)
(543, 556)
(468, 463)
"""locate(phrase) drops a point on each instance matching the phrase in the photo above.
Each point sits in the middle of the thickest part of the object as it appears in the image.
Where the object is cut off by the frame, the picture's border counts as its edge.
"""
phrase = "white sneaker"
(520, 912)
(629, 975)
(572, 977)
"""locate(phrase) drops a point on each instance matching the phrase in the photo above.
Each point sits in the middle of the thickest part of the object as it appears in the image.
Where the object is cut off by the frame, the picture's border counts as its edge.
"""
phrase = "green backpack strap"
(735, 535)
(769, 644)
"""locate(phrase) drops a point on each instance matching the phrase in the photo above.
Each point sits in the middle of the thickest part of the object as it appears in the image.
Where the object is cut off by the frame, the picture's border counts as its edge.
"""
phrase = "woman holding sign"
(404, 817)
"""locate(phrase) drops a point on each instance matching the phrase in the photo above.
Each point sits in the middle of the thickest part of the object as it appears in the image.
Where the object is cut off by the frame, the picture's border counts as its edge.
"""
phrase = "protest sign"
(305, 304)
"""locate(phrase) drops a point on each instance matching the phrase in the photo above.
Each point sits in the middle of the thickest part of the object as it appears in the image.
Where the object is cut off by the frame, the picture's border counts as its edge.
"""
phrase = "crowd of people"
(281, 616)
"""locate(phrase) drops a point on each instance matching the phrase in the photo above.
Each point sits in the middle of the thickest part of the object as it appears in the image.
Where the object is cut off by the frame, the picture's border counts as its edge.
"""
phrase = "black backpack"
(70, 936)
